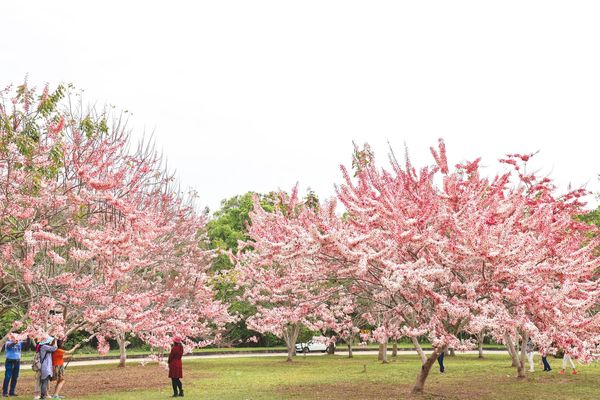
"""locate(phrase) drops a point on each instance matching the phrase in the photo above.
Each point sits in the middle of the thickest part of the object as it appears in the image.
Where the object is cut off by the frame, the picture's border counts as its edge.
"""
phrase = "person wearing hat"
(46, 348)
(38, 373)
(176, 367)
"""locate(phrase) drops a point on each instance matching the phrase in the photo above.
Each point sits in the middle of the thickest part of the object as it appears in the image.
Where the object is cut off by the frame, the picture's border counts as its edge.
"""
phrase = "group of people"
(49, 365)
(567, 360)
(530, 349)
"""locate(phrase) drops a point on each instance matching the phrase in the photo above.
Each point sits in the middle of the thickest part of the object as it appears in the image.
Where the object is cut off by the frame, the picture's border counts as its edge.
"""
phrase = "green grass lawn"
(337, 377)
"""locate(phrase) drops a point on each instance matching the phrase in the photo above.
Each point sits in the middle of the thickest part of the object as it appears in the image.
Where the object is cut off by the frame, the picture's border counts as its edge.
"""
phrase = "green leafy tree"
(227, 227)
(593, 217)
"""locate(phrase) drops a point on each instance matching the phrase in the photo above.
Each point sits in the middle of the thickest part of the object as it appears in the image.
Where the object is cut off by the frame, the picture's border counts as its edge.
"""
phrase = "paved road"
(243, 355)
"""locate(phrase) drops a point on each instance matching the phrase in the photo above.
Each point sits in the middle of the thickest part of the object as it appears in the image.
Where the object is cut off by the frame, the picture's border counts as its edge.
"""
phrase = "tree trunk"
(515, 359)
(380, 355)
(331, 349)
(123, 343)
(419, 349)
(521, 367)
(425, 368)
(517, 362)
(395, 349)
(480, 337)
(521, 371)
(291, 351)
(350, 350)
(384, 358)
(290, 335)
(511, 349)
(451, 352)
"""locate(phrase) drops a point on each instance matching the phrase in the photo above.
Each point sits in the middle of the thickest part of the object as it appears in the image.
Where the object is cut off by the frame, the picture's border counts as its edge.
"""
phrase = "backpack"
(36, 365)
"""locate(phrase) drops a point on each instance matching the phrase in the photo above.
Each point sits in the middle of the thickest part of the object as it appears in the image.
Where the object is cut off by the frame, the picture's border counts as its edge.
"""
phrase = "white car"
(317, 343)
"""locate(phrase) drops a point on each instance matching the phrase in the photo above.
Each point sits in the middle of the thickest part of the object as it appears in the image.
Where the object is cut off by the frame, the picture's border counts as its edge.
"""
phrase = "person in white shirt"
(530, 352)
(567, 359)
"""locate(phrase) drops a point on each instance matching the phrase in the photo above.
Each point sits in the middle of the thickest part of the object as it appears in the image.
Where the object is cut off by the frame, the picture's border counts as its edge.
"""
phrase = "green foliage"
(93, 126)
(49, 101)
(312, 200)
(306, 334)
(24, 126)
(361, 159)
(593, 217)
(6, 320)
(228, 226)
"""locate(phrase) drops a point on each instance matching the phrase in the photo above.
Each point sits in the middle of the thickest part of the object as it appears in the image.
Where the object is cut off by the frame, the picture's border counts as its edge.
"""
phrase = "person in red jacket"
(175, 367)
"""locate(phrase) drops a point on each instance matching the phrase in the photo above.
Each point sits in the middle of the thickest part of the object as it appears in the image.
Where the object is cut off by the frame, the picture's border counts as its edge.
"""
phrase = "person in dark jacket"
(176, 367)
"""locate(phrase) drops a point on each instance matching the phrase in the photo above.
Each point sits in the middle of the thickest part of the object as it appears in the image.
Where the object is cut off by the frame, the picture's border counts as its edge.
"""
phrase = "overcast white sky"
(257, 95)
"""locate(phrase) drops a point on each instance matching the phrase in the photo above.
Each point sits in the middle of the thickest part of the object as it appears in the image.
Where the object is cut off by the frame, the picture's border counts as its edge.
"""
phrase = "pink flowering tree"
(470, 253)
(283, 276)
(93, 236)
(437, 252)
(349, 319)
(393, 241)
(537, 262)
(30, 152)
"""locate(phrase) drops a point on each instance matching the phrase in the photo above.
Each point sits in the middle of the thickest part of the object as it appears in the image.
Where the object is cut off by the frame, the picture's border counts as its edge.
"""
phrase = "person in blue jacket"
(12, 365)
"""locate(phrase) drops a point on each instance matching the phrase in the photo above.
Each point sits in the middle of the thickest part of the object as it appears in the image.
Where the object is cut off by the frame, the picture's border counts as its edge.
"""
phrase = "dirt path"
(81, 382)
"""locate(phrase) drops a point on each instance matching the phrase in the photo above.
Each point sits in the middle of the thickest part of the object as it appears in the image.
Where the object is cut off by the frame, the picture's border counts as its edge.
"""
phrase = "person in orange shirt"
(58, 363)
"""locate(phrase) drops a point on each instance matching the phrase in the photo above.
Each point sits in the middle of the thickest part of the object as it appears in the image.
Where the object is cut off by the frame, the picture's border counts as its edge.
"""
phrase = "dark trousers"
(11, 374)
(44, 383)
(176, 382)
(546, 364)
(441, 361)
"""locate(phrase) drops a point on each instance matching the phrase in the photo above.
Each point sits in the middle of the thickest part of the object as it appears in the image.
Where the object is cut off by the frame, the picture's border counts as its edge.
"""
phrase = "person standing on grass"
(530, 352)
(545, 362)
(58, 365)
(12, 365)
(176, 367)
(36, 366)
(440, 361)
(567, 359)
(45, 350)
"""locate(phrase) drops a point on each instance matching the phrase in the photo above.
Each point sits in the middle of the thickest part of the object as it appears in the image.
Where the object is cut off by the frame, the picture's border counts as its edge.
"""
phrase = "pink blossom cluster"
(430, 252)
(94, 236)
